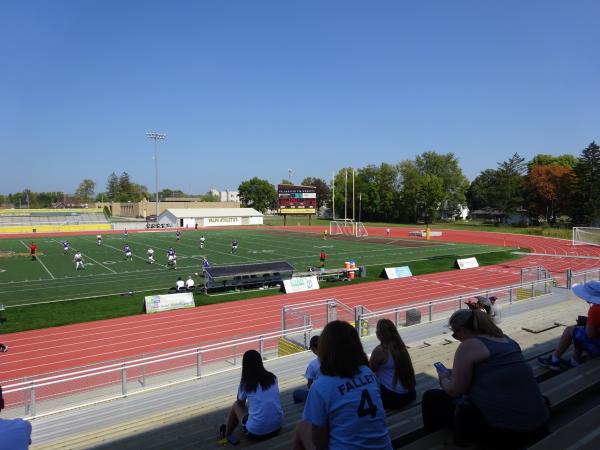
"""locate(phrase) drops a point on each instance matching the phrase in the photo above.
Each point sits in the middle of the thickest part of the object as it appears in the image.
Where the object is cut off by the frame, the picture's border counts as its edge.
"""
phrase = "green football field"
(53, 277)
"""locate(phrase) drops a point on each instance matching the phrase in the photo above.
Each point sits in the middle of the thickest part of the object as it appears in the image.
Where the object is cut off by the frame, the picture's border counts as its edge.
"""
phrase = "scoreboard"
(297, 199)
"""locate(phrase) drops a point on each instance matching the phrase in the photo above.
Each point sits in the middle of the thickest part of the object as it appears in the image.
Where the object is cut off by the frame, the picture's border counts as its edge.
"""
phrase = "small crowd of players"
(171, 254)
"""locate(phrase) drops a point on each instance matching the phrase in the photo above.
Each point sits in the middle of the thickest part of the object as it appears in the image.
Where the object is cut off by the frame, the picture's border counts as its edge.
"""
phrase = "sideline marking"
(40, 261)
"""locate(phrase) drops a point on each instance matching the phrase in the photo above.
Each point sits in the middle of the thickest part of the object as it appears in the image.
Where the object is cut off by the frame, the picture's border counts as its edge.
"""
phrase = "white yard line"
(40, 261)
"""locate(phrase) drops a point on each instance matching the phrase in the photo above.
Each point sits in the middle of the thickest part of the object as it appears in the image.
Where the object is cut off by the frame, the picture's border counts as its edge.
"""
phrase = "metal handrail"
(451, 299)
(118, 367)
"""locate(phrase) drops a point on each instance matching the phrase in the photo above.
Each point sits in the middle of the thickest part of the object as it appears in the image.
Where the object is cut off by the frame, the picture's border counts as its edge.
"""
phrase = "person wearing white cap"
(584, 337)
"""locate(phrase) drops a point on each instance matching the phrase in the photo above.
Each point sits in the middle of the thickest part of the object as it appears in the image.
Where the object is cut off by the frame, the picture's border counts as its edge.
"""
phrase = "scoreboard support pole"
(285, 218)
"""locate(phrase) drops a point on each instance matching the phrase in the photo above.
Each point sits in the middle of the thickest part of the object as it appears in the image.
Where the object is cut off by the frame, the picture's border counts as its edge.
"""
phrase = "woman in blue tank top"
(343, 410)
(392, 364)
(490, 396)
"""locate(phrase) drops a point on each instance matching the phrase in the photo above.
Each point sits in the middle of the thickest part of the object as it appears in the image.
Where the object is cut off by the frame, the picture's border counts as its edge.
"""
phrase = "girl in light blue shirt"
(343, 410)
(258, 406)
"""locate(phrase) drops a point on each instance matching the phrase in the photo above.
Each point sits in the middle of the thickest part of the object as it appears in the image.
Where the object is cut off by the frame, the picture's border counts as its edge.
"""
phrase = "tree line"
(551, 189)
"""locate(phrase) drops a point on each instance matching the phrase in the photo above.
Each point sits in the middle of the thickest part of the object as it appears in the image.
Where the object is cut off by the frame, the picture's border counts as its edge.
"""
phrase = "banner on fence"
(301, 284)
(398, 272)
(467, 263)
(167, 302)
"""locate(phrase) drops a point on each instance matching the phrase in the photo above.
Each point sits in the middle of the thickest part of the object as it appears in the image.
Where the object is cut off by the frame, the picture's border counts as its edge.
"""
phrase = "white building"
(210, 217)
(226, 195)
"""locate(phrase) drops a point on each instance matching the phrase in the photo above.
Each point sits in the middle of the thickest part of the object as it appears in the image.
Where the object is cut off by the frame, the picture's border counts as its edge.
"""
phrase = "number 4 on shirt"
(366, 406)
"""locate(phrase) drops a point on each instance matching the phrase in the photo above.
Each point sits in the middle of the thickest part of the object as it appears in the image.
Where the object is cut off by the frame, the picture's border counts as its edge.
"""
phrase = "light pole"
(290, 175)
(156, 137)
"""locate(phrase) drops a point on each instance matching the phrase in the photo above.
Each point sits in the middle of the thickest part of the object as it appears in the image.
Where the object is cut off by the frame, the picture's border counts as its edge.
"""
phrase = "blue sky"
(252, 88)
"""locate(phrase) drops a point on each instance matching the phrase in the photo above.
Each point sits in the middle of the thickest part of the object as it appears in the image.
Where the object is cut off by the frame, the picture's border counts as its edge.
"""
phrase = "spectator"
(312, 372)
(487, 305)
(585, 337)
(258, 407)
(343, 409)
(15, 434)
(391, 363)
(490, 396)
(189, 283)
(179, 285)
(3, 348)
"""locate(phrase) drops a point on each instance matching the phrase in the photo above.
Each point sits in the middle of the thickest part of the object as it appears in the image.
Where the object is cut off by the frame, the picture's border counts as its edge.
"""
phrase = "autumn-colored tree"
(549, 186)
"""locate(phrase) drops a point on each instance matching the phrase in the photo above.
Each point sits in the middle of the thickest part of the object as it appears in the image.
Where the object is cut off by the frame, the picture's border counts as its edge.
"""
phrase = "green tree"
(409, 182)
(171, 193)
(446, 168)
(509, 195)
(85, 190)
(322, 188)
(430, 195)
(258, 194)
(548, 160)
(112, 187)
(586, 211)
(481, 192)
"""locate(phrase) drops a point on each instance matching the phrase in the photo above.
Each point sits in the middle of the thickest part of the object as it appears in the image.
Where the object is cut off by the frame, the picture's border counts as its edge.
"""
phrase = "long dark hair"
(254, 373)
(392, 342)
(340, 351)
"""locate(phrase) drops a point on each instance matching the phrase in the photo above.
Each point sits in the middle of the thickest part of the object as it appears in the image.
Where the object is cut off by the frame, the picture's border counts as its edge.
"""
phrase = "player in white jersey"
(99, 239)
(78, 260)
(150, 256)
(202, 241)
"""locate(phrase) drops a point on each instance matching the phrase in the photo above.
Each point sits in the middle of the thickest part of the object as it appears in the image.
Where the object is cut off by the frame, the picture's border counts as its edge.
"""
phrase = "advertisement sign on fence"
(301, 284)
(167, 302)
(467, 263)
(398, 272)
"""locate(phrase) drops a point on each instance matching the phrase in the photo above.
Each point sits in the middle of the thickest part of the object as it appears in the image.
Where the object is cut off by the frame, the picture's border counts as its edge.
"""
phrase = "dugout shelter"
(247, 276)
(209, 217)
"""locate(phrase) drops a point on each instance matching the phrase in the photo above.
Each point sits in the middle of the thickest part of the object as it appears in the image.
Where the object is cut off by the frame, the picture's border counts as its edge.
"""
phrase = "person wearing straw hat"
(585, 336)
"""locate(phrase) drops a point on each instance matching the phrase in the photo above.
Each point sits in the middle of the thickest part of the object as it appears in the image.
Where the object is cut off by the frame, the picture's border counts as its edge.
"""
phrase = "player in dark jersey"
(178, 235)
(65, 247)
(234, 246)
(128, 254)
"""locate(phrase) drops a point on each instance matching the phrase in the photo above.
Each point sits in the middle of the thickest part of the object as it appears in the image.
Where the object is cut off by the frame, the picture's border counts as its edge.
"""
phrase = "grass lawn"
(101, 290)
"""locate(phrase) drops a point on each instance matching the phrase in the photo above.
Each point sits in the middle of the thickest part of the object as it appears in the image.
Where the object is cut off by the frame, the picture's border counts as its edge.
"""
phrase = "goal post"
(586, 236)
(361, 230)
(345, 227)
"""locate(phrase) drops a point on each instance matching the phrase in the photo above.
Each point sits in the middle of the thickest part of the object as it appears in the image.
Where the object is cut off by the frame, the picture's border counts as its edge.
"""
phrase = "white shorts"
(128, 254)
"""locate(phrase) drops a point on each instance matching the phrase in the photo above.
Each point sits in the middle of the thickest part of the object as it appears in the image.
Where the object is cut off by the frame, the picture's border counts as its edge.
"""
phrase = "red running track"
(41, 351)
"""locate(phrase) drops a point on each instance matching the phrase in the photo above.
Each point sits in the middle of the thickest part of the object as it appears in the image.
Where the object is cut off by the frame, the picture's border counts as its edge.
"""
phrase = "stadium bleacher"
(187, 415)
(51, 221)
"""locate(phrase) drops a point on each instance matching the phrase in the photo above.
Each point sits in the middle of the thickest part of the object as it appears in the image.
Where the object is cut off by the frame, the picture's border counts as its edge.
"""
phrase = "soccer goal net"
(361, 230)
(586, 236)
(346, 227)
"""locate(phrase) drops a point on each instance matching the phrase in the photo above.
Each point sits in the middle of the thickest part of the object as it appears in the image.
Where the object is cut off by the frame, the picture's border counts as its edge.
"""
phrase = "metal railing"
(581, 276)
(442, 308)
(88, 385)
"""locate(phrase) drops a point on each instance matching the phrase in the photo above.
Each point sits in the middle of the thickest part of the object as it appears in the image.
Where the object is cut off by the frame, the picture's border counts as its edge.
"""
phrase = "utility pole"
(156, 137)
